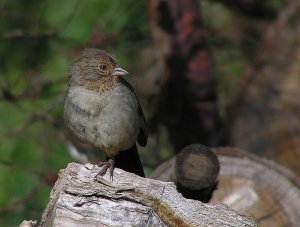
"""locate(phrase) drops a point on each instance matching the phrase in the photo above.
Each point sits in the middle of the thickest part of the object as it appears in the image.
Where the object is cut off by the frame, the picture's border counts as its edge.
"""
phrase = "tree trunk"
(188, 101)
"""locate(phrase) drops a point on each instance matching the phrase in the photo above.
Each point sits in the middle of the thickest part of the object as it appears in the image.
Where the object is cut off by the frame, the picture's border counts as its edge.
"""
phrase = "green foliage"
(39, 41)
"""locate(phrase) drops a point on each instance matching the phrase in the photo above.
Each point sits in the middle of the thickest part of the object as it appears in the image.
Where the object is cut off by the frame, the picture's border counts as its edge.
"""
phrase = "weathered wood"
(258, 187)
(77, 199)
(253, 186)
(196, 166)
(194, 170)
(29, 223)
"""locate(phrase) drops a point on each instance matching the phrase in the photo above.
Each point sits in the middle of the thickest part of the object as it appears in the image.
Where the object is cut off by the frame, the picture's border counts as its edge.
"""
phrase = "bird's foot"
(105, 166)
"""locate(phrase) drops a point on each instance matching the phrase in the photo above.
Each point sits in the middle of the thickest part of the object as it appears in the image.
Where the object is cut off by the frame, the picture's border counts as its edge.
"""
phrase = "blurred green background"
(39, 41)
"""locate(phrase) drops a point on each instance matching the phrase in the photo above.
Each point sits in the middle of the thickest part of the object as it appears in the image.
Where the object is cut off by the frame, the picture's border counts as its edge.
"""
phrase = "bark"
(77, 199)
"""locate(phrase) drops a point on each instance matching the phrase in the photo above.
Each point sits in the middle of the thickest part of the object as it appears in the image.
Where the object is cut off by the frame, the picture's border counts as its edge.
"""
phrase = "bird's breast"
(108, 120)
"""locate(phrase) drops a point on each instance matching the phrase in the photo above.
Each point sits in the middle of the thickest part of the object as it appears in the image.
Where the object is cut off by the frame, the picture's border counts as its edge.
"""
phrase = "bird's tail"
(129, 160)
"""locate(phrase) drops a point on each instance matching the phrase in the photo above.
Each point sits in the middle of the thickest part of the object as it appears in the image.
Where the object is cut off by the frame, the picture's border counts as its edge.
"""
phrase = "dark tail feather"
(129, 160)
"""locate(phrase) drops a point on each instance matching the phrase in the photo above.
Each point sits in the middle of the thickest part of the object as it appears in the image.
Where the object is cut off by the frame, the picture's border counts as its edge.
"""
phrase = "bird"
(102, 109)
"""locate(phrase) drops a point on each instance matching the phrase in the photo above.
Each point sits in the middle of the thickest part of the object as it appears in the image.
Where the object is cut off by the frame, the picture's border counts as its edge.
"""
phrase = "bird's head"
(95, 65)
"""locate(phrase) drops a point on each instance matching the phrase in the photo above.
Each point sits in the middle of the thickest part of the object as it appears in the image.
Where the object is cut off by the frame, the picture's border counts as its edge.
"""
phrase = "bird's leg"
(106, 165)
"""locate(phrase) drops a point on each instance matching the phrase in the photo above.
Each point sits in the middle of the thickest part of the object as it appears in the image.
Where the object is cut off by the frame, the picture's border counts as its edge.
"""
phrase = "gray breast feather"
(110, 121)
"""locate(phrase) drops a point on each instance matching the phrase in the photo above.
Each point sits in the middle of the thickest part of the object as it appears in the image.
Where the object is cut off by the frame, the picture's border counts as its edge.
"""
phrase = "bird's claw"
(106, 165)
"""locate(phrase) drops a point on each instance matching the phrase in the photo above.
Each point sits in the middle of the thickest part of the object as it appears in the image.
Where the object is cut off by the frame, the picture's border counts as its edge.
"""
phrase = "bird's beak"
(118, 71)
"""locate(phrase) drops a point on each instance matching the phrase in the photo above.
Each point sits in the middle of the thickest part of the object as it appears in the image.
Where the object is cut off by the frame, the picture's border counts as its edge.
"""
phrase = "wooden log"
(78, 199)
(258, 187)
(194, 170)
(253, 186)
(29, 223)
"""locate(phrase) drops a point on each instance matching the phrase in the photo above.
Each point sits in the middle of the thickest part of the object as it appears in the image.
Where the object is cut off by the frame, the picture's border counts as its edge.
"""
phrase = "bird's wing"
(143, 134)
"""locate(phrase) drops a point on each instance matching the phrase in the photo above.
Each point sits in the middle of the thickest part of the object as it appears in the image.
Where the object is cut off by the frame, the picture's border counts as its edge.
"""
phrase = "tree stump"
(258, 187)
(253, 186)
(78, 199)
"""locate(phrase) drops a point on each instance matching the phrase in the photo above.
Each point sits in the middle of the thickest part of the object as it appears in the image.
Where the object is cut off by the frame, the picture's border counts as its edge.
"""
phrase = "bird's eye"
(103, 67)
